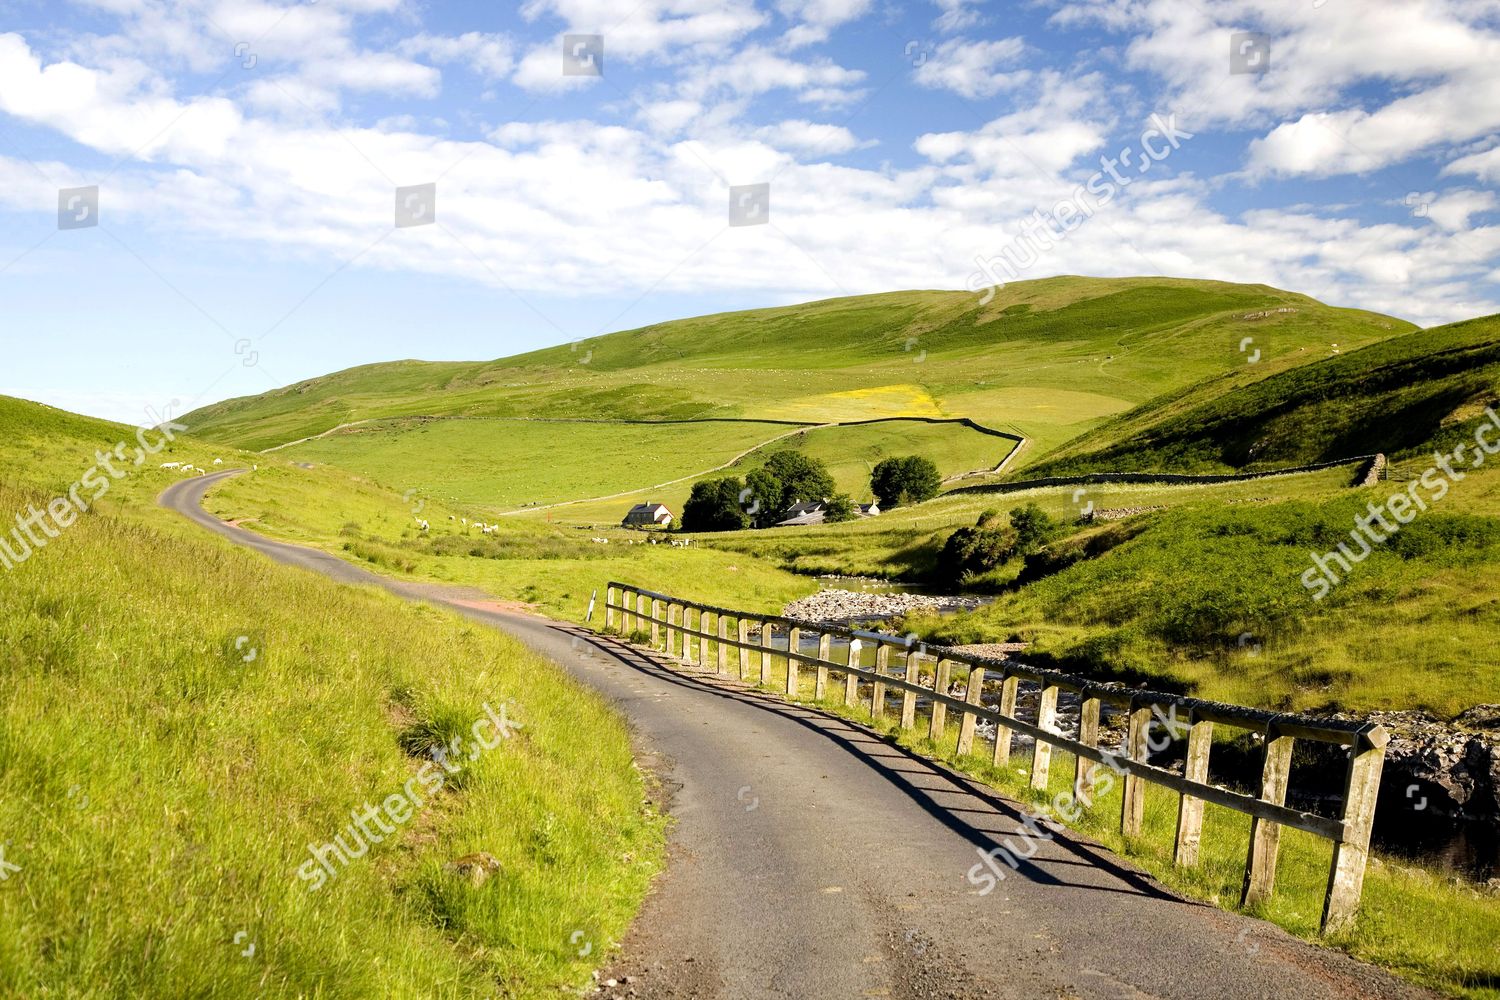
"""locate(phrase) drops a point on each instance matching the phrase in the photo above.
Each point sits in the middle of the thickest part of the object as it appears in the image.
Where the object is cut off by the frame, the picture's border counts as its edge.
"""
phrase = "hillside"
(176, 730)
(1405, 396)
(1047, 359)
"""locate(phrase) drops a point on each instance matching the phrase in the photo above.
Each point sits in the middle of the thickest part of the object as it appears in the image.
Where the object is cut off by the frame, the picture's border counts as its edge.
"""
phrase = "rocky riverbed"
(850, 605)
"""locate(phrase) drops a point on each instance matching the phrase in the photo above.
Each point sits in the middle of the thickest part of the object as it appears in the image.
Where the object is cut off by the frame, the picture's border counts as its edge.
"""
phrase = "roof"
(802, 507)
(647, 508)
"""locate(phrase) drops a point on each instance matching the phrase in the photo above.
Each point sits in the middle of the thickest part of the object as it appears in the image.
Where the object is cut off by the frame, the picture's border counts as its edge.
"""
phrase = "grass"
(489, 465)
(1416, 923)
(159, 787)
(1411, 628)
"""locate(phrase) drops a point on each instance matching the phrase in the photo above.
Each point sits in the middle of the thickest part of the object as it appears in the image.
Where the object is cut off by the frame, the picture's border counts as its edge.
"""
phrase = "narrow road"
(811, 859)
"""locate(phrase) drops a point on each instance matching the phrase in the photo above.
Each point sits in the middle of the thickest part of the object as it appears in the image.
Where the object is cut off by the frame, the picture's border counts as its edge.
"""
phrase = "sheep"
(171, 465)
(422, 524)
(218, 461)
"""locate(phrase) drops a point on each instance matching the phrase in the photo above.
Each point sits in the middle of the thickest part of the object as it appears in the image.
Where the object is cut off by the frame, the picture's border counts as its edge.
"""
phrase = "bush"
(1033, 527)
(911, 479)
(971, 551)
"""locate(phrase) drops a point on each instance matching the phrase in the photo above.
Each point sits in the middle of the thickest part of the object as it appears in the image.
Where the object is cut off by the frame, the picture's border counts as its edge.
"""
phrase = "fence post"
(851, 679)
(703, 638)
(609, 606)
(793, 650)
(1088, 735)
(825, 643)
(1133, 798)
(1041, 750)
(1008, 688)
(686, 633)
(625, 606)
(723, 625)
(908, 696)
(877, 696)
(655, 622)
(1190, 809)
(765, 652)
(939, 710)
(1265, 836)
(966, 727)
(744, 636)
(671, 628)
(1346, 877)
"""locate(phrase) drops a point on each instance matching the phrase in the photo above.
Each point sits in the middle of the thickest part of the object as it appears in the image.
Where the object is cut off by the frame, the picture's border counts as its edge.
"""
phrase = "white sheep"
(171, 465)
(218, 461)
(422, 525)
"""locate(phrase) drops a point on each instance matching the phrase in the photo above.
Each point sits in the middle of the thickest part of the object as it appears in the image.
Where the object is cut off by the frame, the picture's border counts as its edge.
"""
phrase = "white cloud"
(816, 19)
(492, 56)
(1453, 210)
(811, 137)
(970, 68)
(956, 15)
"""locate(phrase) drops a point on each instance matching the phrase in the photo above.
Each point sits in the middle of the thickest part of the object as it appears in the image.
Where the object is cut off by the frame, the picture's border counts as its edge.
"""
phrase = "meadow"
(176, 731)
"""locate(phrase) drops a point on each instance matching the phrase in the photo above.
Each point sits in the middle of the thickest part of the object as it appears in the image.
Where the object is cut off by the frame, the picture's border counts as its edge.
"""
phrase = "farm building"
(646, 515)
(812, 512)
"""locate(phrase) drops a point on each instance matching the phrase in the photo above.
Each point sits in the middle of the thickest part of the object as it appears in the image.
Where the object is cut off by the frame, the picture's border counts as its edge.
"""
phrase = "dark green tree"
(714, 505)
(786, 478)
(909, 479)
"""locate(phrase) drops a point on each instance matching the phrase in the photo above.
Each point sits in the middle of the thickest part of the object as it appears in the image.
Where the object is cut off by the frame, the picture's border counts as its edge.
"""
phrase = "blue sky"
(247, 154)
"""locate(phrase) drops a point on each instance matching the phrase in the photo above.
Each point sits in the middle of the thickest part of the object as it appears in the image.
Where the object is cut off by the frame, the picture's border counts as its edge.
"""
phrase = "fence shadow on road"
(965, 806)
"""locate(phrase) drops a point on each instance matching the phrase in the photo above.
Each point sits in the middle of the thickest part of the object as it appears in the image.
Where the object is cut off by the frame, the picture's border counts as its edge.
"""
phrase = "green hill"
(1404, 397)
(1047, 359)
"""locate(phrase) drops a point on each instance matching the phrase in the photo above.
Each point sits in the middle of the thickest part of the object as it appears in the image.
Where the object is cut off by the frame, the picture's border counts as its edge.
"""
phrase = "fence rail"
(666, 622)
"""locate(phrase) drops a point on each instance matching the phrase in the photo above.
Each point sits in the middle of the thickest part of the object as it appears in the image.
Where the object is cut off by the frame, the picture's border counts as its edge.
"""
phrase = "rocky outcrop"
(1454, 767)
(849, 605)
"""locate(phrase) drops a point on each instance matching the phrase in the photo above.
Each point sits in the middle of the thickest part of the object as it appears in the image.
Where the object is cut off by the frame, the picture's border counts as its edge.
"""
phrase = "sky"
(202, 199)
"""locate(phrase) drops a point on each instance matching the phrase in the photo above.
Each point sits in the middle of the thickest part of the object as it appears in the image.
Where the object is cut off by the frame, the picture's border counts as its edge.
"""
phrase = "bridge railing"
(741, 642)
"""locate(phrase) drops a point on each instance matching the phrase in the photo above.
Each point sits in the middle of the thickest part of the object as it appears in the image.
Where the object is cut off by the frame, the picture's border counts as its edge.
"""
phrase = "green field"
(490, 465)
(176, 729)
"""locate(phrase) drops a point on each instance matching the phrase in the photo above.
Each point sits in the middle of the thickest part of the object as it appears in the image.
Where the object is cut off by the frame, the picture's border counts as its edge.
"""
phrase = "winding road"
(810, 858)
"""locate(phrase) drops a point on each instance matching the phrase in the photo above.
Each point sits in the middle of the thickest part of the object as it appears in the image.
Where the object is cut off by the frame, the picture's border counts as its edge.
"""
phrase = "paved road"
(811, 859)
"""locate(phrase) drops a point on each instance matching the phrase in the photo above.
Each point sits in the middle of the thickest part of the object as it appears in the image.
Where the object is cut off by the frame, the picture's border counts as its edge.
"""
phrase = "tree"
(715, 506)
(910, 479)
(786, 478)
(971, 551)
(839, 508)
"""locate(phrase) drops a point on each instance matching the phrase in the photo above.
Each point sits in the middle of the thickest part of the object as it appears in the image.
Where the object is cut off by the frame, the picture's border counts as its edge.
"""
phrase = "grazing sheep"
(218, 461)
(422, 525)
(171, 465)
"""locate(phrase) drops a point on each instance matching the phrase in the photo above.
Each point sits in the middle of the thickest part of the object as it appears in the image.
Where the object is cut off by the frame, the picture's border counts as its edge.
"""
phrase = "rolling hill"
(1046, 359)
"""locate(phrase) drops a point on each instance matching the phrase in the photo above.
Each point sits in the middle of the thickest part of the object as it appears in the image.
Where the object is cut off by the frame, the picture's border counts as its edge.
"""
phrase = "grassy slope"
(159, 792)
(1048, 358)
(1401, 397)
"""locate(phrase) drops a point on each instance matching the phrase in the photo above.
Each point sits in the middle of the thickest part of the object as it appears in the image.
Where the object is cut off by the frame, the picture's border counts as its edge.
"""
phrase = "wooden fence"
(724, 635)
